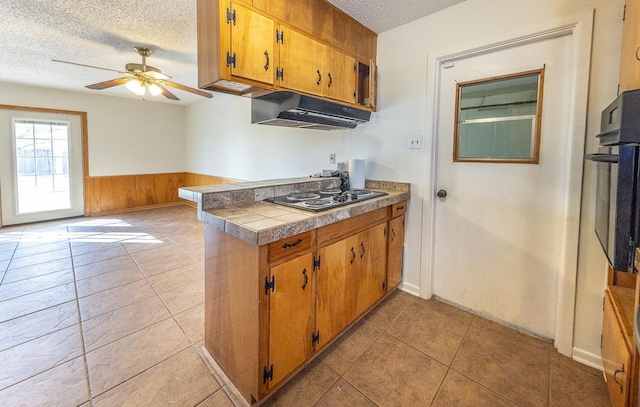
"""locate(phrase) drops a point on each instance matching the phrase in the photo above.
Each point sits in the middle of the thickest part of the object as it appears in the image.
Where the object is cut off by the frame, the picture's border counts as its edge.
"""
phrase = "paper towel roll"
(357, 170)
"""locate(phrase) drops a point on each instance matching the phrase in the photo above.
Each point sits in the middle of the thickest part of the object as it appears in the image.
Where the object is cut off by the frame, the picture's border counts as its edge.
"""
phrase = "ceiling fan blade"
(108, 84)
(90, 66)
(166, 93)
(188, 89)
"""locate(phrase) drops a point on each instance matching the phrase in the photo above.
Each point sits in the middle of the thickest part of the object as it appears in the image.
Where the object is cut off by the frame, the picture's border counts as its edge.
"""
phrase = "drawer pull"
(288, 245)
(400, 208)
(616, 379)
(638, 54)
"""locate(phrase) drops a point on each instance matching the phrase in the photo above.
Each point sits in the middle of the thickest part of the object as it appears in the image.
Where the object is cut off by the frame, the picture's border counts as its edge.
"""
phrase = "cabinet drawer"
(399, 209)
(351, 226)
(291, 245)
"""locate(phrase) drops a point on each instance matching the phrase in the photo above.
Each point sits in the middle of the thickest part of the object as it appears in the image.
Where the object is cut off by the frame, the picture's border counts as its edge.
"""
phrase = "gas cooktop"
(317, 201)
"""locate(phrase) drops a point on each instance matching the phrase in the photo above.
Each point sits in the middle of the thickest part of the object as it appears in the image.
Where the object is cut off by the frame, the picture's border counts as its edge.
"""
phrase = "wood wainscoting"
(122, 193)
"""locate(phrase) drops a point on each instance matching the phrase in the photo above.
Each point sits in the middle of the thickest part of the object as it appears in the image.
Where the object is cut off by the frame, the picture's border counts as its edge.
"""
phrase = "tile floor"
(108, 311)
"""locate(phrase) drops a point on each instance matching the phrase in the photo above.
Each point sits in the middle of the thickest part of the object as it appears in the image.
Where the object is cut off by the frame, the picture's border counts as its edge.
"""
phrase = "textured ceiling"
(383, 15)
(103, 33)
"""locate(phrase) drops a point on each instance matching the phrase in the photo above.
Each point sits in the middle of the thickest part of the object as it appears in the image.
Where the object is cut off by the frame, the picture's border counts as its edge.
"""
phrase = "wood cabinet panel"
(630, 56)
(273, 7)
(395, 246)
(616, 357)
(252, 45)
(301, 62)
(291, 246)
(371, 271)
(335, 301)
(340, 75)
(231, 288)
(290, 316)
(338, 230)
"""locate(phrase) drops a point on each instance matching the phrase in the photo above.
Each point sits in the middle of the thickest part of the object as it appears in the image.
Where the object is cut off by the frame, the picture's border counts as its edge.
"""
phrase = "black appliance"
(317, 201)
(290, 109)
(617, 222)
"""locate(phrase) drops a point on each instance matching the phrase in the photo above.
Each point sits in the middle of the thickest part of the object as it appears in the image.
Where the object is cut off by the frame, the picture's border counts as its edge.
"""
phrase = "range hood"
(290, 109)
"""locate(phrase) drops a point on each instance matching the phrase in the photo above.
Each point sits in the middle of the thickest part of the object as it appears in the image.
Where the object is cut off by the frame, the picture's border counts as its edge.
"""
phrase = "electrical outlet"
(415, 142)
(332, 158)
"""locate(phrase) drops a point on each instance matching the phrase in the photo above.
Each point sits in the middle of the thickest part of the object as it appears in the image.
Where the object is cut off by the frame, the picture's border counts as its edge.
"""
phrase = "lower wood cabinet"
(290, 316)
(395, 250)
(616, 356)
(310, 288)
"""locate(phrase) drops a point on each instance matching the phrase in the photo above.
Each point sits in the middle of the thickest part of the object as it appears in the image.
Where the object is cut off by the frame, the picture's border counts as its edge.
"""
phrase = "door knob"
(442, 193)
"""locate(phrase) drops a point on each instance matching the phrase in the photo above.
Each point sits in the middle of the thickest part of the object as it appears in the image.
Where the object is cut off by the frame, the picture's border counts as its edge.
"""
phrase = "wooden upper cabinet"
(238, 49)
(273, 7)
(630, 57)
(252, 45)
(340, 75)
(301, 62)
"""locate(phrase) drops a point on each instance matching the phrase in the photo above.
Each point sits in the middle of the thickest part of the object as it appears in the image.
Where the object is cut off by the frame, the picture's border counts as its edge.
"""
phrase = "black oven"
(617, 217)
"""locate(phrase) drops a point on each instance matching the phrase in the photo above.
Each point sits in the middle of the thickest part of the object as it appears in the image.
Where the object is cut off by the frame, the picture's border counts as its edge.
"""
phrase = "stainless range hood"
(290, 109)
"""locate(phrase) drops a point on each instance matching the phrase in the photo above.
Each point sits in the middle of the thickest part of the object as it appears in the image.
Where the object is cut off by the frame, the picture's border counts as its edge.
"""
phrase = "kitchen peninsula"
(281, 283)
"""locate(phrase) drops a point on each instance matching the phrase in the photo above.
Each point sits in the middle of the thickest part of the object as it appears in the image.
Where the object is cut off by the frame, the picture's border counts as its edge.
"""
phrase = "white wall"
(126, 136)
(221, 141)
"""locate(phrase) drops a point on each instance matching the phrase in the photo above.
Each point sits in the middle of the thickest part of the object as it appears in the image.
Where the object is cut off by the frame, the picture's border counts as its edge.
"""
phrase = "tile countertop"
(239, 208)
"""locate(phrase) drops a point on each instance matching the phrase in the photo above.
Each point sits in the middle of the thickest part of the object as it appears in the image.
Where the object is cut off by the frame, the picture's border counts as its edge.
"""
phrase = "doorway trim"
(85, 143)
(580, 28)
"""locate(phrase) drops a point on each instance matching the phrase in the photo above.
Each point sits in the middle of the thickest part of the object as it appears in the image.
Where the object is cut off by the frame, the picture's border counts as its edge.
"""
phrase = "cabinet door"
(290, 316)
(335, 293)
(630, 57)
(252, 43)
(372, 268)
(339, 75)
(615, 356)
(301, 62)
(396, 246)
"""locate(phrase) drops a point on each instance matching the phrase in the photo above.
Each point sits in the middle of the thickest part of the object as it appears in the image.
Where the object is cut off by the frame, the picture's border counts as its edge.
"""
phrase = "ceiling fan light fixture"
(154, 89)
(136, 87)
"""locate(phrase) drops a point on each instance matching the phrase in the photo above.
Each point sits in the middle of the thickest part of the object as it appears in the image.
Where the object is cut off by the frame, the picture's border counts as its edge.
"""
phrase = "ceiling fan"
(140, 78)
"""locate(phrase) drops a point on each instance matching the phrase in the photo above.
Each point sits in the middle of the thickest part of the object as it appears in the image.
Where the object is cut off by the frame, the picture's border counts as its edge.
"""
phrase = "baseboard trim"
(587, 358)
(409, 288)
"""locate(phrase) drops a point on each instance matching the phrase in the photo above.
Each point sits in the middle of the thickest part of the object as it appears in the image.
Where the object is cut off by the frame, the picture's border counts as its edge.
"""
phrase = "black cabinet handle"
(362, 251)
(266, 67)
(616, 379)
(393, 232)
(294, 244)
(353, 255)
(306, 278)
(319, 78)
(330, 80)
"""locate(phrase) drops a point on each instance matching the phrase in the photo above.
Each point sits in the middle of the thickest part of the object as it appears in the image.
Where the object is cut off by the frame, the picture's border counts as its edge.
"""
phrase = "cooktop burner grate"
(316, 202)
(302, 196)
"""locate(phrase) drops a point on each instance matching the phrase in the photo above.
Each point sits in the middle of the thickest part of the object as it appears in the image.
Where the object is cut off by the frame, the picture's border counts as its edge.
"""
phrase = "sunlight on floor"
(62, 233)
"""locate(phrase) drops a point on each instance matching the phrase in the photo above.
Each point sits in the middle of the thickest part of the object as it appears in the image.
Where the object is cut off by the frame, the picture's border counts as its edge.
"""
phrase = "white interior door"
(498, 233)
(41, 175)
